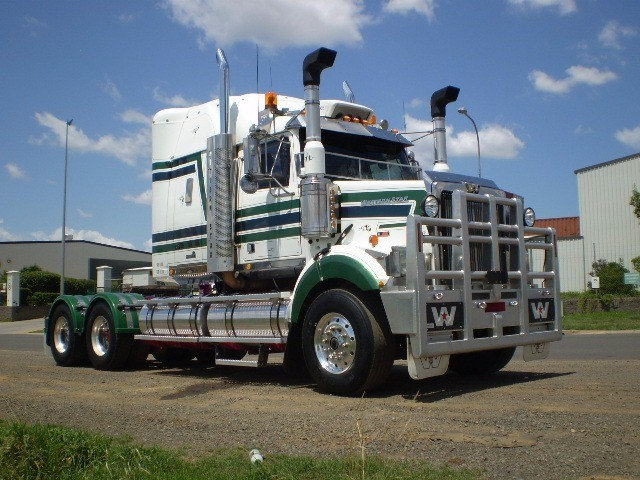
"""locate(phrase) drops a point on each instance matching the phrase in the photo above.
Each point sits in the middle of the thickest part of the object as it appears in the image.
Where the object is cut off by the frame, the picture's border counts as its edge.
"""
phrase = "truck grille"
(480, 257)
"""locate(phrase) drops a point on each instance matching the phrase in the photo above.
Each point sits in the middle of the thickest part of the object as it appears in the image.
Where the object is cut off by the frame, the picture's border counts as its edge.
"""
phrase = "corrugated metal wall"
(606, 218)
(570, 263)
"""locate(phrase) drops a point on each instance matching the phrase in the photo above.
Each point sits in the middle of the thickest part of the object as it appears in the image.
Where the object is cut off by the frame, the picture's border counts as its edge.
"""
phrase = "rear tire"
(67, 348)
(107, 350)
(478, 363)
(347, 347)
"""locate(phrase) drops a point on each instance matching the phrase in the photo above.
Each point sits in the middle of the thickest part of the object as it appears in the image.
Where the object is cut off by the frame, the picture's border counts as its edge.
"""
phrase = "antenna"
(257, 77)
(270, 77)
(348, 93)
(404, 117)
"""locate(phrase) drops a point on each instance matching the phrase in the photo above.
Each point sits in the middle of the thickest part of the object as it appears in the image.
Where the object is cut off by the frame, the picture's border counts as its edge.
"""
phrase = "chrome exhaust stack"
(220, 191)
(223, 65)
(439, 101)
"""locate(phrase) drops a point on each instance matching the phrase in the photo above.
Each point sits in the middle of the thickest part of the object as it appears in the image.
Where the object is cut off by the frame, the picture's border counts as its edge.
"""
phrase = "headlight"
(430, 206)
(529, 217)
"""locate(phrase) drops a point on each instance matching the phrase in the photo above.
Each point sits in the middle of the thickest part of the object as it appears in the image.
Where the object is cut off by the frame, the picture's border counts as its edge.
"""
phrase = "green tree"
(635, 202)
(636, 263)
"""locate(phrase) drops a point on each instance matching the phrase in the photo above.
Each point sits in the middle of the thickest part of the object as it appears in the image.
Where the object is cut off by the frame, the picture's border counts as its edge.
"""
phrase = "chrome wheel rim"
(335, 343)
(100, 336)
(61, 335)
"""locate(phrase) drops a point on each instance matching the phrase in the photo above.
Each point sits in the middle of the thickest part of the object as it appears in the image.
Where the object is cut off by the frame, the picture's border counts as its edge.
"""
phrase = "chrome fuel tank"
(178, 320)
(248, 319)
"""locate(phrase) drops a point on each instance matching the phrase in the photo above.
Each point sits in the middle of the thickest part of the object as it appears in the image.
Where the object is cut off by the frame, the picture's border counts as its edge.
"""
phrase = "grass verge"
(52, 452)
(602, 321)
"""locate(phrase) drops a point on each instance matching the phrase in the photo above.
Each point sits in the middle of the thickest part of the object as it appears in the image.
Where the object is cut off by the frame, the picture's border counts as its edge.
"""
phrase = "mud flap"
(420, 368)
(536, 351)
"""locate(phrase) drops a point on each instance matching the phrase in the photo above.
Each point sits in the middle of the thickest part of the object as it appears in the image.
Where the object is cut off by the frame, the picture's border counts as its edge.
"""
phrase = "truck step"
(240, 363)
(263, 356)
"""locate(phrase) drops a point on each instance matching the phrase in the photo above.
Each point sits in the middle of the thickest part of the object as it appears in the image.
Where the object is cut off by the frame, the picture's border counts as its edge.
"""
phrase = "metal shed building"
(610, 229)
(82, 257)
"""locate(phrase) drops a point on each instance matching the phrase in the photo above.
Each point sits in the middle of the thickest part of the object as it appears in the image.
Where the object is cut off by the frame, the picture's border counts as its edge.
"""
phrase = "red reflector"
(509, 195)
(495, 307)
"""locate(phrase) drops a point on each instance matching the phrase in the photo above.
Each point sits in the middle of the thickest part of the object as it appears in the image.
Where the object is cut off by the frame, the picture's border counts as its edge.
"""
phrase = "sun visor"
(351, 128)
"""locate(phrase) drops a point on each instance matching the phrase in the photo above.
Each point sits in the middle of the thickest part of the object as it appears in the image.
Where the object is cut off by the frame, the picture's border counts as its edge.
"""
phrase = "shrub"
(24, 295)
(612, 278)
(636, 263)
(77, 286)
(39, 299)
(38, 281)
(606, 302)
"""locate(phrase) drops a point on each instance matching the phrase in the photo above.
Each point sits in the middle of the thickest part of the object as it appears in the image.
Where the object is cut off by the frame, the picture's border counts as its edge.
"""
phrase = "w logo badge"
(443, 318)
(541, 311)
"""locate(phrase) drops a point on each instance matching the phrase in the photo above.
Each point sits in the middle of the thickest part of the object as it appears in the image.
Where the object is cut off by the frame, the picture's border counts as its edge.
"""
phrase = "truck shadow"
(399, 383)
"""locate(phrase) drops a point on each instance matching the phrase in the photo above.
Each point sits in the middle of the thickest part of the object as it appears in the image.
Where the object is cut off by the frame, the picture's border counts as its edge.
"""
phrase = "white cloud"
(424, 7)
(147, 245)
(89, 235)
(611, 33)
(126, 148)
(111, 89)
(630, 137)
(143, 198)
(564, 6)
(496, 141)
(582, 130)
(6, 235)
(174, 101)
(224, 22)
(127, 17)
(16, 172)
(134, 116)
(576, 74)
(415, 103)
(84, 214)
(34, 25)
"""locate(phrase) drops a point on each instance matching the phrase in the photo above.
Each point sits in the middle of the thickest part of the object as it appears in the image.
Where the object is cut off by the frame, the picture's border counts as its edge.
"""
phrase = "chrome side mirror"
(251, 154)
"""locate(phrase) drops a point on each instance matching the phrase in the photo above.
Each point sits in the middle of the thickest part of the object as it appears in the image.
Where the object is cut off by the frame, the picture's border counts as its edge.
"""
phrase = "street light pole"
(64, 203)
(463, 111)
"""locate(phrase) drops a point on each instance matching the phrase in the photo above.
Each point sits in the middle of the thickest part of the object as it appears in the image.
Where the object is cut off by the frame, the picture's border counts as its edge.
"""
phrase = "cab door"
(268, 221)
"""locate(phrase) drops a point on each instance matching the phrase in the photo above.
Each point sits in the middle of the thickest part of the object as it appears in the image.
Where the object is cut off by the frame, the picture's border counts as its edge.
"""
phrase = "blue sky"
(552, 84)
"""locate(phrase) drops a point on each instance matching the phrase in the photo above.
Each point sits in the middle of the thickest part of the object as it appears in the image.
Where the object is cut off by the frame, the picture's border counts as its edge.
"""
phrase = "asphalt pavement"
(574, 346)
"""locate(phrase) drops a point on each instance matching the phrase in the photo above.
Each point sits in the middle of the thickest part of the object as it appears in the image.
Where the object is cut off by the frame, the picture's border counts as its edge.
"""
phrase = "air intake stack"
(316, 218)
(439, 101)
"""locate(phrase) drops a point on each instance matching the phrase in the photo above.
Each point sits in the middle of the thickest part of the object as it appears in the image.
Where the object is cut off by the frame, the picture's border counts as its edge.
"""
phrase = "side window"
(275, 159)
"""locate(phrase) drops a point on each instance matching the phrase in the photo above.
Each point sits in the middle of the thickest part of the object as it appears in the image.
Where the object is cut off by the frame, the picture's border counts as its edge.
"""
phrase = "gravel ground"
(549, 419)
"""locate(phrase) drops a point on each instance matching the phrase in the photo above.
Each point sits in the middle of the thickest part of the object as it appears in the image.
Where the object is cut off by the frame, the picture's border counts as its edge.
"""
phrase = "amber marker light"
(271, 100)
(373, 120)
(346, 118)
(373, 240)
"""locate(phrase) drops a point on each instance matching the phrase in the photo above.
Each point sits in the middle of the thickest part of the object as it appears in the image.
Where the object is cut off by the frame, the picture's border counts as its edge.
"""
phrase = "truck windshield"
(354, 157)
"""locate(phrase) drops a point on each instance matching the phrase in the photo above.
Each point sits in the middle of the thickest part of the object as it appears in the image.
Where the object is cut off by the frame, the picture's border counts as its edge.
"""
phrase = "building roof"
(565, 226)
(73, 241)
(610, 162)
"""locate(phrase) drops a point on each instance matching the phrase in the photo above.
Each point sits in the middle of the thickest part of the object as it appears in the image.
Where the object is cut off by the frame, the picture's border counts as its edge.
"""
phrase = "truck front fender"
(333, 266)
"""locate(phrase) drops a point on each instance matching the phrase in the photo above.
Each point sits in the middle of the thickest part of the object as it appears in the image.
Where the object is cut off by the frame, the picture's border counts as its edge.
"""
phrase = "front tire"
(107, 349)
(67, 348)
(346, 345)
(478, 363)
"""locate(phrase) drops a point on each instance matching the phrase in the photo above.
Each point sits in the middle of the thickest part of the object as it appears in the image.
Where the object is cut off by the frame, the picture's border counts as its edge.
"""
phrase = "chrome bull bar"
(437, 291)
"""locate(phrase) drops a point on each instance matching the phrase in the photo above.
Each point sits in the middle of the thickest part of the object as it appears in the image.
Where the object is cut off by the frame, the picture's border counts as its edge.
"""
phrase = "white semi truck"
(311, 230)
